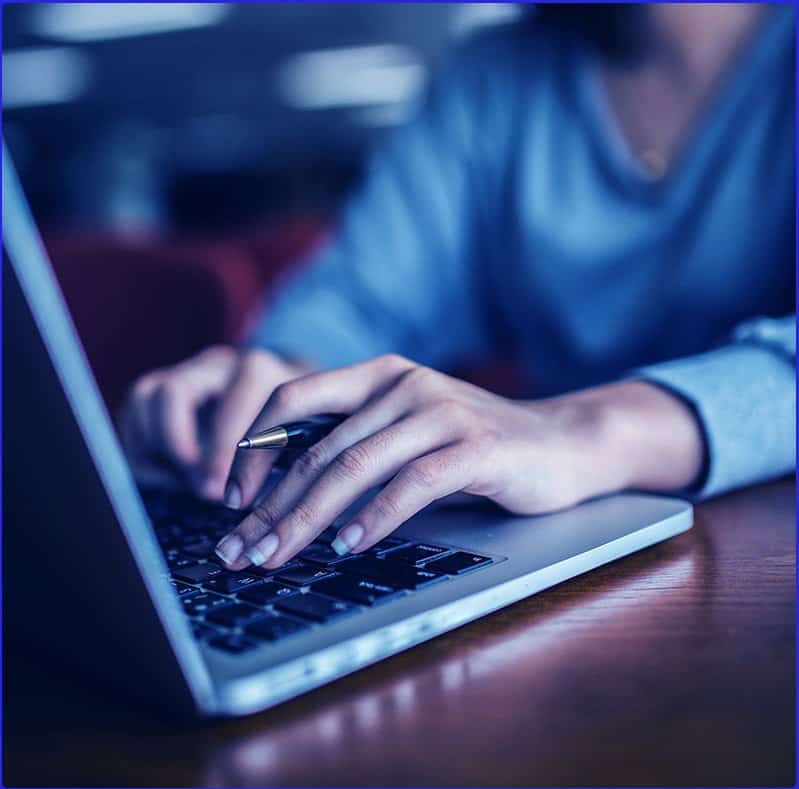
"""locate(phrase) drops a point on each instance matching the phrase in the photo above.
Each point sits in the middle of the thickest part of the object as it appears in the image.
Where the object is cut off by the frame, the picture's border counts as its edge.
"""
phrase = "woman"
(607, 194)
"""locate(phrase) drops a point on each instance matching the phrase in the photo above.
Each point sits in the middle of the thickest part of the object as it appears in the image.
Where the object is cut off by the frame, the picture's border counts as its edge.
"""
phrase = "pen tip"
(244, 443)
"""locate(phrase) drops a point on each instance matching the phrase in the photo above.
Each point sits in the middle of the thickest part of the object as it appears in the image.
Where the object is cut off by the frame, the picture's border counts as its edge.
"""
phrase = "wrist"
(652, 438)
(592, 438)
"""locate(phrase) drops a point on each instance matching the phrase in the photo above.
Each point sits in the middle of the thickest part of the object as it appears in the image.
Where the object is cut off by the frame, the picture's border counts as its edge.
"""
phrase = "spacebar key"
(314, 607)
(396, 574)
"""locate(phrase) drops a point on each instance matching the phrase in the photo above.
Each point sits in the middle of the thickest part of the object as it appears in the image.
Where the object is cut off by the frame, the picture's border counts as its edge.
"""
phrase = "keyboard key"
(397, 574)
(193, 527)
(197, 574)
(223, 516)
(303, 575)
(203, 602)
(203, 631)
(327, 536)
(202, 549)
(168, 536)
(358, 590)
(216, 533)
(233, 643)
(233, 615)
(265, 593)
(195, 512)
(314, 607)
(414, 554)
(387, 544)
(271, 628)
(458, 563)
(175, 560)
(182, 589)
(323, 555)
(264, 572)
(230, 583)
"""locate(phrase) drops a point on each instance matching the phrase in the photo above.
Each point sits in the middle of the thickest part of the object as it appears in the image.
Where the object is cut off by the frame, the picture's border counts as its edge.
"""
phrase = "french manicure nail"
(229, 548)
(233, 495)
(347, 539)
(262, 552)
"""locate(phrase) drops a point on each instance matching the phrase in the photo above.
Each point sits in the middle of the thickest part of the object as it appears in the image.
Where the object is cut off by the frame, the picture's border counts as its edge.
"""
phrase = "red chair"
(139, 304)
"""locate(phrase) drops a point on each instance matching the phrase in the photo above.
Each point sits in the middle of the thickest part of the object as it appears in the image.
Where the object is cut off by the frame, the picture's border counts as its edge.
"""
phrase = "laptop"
(123, 583)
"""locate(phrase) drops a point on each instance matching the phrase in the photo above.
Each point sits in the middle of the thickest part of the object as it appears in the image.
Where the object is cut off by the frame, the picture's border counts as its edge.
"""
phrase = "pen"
(293, 434)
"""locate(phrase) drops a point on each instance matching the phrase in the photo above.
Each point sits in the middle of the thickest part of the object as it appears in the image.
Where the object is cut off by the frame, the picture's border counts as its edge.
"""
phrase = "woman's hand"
(428, 435)
(161, 421)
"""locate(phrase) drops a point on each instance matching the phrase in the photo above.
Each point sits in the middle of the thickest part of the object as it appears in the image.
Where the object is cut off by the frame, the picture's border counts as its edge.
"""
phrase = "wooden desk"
(674, 666)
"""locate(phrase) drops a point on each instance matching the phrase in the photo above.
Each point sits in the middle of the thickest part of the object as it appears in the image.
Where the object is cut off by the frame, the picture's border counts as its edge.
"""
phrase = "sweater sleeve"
(744, 395)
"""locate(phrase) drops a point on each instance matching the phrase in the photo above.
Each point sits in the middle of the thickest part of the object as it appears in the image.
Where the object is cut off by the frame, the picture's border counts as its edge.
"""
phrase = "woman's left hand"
(428, 435)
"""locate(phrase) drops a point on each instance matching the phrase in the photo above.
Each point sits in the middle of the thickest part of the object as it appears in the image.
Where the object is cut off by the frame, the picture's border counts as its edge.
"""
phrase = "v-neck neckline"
(724, 96)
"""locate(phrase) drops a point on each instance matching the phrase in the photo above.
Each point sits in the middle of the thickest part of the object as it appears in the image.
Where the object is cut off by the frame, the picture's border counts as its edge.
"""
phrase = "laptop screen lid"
(69, 491)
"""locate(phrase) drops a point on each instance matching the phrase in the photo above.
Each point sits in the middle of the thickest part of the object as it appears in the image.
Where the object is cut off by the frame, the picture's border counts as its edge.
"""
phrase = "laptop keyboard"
(239, 611)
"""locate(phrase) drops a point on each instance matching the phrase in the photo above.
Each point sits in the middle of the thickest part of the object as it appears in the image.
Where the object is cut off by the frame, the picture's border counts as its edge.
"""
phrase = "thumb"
(251, 385)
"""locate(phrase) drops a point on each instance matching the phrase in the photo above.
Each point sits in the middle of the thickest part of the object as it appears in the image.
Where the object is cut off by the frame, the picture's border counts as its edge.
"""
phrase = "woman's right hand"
(181, 423)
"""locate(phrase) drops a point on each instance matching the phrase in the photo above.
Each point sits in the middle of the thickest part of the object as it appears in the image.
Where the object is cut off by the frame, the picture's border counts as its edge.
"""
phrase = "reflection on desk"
(672, 666)
(255, 757)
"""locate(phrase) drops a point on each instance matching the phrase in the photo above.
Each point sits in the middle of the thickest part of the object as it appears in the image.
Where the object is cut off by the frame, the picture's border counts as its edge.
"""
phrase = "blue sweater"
(510, 219)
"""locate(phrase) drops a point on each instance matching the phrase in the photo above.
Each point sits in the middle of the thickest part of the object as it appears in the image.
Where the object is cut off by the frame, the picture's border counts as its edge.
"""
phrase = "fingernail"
(262, 552)
(347, 539)
(229, 548)
(233, 495)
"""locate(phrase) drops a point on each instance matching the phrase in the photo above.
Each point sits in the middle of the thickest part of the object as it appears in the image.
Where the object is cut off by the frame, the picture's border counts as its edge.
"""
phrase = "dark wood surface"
(674, 666)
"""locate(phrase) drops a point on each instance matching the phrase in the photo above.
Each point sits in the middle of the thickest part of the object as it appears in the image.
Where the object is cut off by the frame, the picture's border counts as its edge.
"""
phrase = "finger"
(130, 435)
(158, 421)
(172, 428)
(137, 435)
(176, 406)
(134, 421)
(338, 391)
(377, 415)
(147, 469)
(250, 387)
(352, 473)
(425, 480)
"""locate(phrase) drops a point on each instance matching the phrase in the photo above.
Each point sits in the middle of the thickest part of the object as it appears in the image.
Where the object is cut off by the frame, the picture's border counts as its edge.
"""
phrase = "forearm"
(627, 435)
(651, 437)
(703, 424)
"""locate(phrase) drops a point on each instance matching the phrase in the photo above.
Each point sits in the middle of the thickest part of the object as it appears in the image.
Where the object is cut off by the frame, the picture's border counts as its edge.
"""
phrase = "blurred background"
(179, 157)
(161, 117)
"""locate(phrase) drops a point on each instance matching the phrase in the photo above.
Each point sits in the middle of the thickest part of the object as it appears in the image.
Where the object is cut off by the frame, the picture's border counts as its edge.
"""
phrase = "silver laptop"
(121, 583)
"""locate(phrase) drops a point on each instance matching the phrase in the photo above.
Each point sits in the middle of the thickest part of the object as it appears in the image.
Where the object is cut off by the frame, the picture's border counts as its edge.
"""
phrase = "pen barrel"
(311, 431)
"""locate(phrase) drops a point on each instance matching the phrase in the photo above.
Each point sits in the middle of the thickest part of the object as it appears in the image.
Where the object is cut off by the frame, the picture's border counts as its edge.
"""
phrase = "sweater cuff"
(745, 399)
